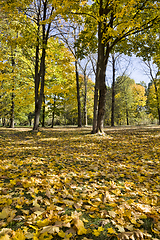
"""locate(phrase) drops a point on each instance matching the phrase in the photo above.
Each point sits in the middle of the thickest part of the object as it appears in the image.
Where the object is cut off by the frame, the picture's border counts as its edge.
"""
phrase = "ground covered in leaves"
(66, 183)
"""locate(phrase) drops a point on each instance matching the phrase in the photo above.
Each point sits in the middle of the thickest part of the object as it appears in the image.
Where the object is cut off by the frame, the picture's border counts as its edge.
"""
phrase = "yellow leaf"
(50, 229)
(100, 229)
(19, 235)
(35, 204)
(68, 202)
(42, 223)
(5, 213)
(111, 230)
(96, 232)
(120, 228)
(68, 236)
(85, 220)
(61, 234)
(29, 235)
(112, 214)
(133, 220)
(155, 230)
(5, 237)
(80, 226)
(35, 228)
(45, 236)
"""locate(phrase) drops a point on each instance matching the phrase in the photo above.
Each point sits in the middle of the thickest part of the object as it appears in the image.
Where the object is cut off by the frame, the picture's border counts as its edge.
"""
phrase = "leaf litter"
(69, 184)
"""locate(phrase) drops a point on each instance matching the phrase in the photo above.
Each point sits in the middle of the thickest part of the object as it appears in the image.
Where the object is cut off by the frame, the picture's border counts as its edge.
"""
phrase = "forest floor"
(65, 183)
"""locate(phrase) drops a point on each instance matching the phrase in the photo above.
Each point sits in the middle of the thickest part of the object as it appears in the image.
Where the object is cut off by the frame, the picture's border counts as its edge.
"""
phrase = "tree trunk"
(3, 122)
(100, 81)
(103, 55)
(64, 114)
(78, 96)
(52, 119)
(113, 91)
(40, 75)
(12, 97)
(43, 115)
(95, 110)
(53, 113)
(12, 110)
(37, 78)
(38, 104)
(157, 97)
(127, 117)
(85, 100)
(101, 109)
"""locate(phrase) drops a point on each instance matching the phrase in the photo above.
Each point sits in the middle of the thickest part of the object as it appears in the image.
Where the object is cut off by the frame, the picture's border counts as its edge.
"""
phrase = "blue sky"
(138, 71)
(132, 66)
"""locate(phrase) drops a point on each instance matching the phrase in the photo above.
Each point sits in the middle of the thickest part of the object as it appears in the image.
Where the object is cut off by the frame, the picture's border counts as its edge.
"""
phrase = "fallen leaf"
(50, 229)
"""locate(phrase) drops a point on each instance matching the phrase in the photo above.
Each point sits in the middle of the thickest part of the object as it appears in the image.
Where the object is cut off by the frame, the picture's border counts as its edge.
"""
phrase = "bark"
(103, 55)
(3, 122)
(95, 110)
(12, 110)
(40, 74)
(53, 113)
(37, 78)
(85, 100)
(43, 115)
(12, 98)
(38, 103)
(64, 114)
(113, 91)
(100, 81)
(127, 116)
(101, 109)
(157, 97)
(52, 119)
(78, 97)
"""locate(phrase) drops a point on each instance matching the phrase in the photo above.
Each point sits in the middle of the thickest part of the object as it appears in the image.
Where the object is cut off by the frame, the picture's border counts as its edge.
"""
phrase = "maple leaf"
(111, 231)
(80, 226)
(5, 213)
(19, 235)
(50, 229)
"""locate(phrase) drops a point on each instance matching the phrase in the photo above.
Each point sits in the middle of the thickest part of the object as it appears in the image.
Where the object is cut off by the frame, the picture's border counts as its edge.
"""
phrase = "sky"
(132, 66)
(138, 71)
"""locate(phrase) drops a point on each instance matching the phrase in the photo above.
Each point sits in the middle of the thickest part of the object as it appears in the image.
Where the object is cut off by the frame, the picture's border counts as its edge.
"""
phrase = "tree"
(155, 80)
(139, 102)
(116, 58)
(130, 101)
(15, 74)
(147, 47)
(124, 97)
(73, 30)
(116, 21)
(40, 13)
